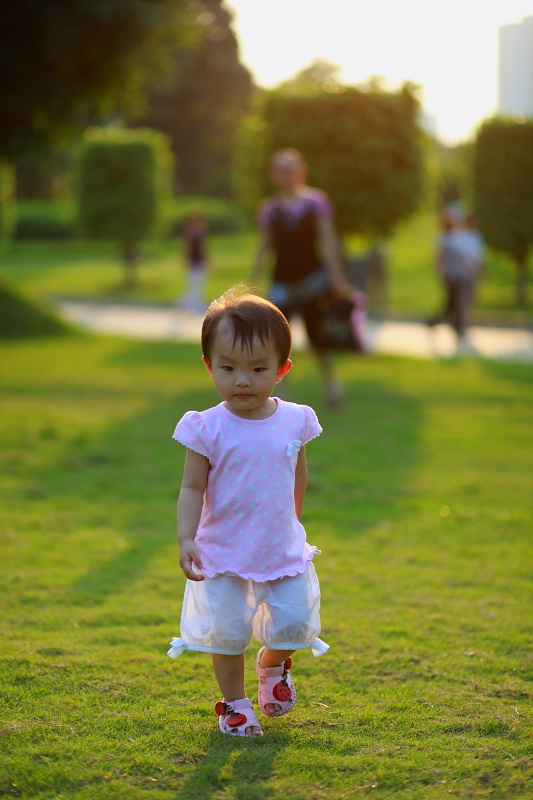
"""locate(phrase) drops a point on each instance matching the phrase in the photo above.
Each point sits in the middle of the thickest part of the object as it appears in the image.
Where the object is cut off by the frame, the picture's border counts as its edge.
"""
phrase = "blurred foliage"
(7, 200)
(57, 219)
(363, 148)
(449, 173)
(220, 214)
(45, 219)
(45, 175)
(319, 75)
(503, 191)
(251, 156)
(124, 184)
(43, 226)
(62, 63)
(201, 102)
(172, 65)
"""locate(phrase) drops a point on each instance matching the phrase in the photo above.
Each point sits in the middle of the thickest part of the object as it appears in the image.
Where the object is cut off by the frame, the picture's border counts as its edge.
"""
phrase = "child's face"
(245, 378)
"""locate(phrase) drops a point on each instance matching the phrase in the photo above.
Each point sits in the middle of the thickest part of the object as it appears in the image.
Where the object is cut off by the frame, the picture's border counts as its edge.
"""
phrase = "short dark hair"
(250, 315)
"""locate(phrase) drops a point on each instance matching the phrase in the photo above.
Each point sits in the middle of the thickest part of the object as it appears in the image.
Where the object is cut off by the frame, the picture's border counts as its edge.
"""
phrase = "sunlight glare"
(450, 49)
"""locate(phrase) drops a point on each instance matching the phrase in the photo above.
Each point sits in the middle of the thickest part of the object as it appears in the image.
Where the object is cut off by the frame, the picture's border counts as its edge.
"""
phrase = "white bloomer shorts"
(221, 614)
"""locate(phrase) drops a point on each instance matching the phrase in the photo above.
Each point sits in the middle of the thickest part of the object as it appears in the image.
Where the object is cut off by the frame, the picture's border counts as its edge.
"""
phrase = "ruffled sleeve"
(311, 425)
(191, 431)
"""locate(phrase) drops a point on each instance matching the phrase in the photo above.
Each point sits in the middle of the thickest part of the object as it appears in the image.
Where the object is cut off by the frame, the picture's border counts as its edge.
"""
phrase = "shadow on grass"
(137, 468)
(245, 764)
(360, 467)
(515, 373)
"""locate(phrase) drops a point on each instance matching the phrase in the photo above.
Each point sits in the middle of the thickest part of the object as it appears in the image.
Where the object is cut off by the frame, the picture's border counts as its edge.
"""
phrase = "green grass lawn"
(420, 499)
(74, 268)
(92, 270)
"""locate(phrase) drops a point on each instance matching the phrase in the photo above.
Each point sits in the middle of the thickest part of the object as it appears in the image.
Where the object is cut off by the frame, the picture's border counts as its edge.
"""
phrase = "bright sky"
(449, 47)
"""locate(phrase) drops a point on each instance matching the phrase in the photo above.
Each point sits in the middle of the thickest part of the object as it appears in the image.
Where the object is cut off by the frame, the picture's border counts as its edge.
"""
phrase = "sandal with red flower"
(238, 718)
(276, 693)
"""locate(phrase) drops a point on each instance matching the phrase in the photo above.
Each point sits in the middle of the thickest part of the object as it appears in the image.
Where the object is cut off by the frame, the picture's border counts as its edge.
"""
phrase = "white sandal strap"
(236, 717)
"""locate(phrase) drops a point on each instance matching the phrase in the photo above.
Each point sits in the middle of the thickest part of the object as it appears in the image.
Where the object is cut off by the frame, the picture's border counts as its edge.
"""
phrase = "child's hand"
(189, 558)
(341, 288)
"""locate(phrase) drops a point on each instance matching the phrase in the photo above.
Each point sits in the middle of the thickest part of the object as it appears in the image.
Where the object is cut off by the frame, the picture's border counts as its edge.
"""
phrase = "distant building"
(516, 69)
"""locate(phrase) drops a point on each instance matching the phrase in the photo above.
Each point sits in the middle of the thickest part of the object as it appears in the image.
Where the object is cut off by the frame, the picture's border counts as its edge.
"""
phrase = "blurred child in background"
(194, 231)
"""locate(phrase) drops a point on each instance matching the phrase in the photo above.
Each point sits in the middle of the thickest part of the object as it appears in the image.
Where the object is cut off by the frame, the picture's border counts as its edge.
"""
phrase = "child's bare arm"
(331, 252)
(300, 484)
(190, 502)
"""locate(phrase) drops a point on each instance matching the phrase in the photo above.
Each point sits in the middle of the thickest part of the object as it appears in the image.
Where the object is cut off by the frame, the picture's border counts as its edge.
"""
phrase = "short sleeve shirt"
(248, 525)
(321, 203)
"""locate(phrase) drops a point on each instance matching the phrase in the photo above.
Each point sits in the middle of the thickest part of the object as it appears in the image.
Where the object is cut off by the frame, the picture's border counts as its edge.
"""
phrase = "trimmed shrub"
(42, 227)
(503, 192)
(45, 219)
(124, 185)
(221, 216)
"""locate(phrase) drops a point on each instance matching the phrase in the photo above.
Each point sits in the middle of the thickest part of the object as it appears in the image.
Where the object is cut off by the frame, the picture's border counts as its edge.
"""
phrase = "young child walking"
(194, 236)
(243, 548)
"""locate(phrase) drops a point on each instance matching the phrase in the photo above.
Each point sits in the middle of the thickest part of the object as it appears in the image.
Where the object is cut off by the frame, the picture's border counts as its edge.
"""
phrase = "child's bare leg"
(273, 658)
(333, 389)
(229, 672)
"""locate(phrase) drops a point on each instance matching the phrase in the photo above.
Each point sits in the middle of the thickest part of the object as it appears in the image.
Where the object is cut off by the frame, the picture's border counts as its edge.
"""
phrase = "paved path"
(399, 338)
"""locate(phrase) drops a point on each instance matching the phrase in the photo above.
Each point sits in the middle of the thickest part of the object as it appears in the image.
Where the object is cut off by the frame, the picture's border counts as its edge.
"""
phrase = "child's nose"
(243, 379)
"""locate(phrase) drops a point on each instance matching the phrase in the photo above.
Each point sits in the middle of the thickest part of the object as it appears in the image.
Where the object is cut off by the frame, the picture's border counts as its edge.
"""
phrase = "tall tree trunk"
(521, 281)
(130, 257)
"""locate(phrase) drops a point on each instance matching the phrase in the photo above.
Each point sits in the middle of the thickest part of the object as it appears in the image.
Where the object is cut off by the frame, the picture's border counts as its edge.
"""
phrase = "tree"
(363, 148)
(503, 191)
(59, 60)
(201, 103)
(123, 183)
(449, 173)
(7, 205)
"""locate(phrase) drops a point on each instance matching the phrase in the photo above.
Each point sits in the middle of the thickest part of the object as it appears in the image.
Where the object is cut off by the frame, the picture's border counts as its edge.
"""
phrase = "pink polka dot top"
(249, 526)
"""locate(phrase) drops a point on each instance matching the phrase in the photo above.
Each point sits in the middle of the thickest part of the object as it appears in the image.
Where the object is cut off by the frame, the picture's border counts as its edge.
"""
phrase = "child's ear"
(282, 371)
(208, 366)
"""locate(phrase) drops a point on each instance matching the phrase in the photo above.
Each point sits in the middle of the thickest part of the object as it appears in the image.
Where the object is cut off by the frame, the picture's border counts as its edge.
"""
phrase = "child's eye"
(260, 369)
(226, 368)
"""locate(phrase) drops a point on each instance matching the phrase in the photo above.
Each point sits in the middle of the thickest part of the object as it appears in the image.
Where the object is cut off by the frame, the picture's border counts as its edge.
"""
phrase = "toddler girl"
(242, 546)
